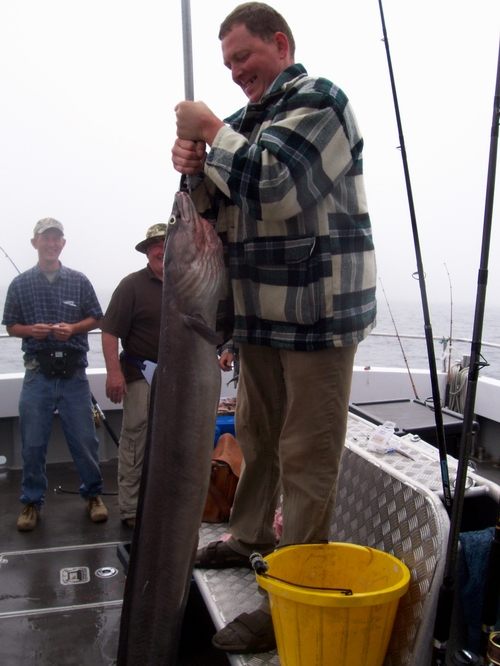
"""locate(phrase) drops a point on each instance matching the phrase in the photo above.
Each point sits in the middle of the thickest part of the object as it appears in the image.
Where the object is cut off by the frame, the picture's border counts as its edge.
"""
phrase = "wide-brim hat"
(156, 231)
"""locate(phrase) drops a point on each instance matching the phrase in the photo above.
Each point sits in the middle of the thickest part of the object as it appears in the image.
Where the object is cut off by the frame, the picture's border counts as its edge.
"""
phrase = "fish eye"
(172, 219)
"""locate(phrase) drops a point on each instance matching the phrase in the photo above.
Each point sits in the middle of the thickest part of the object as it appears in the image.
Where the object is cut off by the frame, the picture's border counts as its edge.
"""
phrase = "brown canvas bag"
(226, 469)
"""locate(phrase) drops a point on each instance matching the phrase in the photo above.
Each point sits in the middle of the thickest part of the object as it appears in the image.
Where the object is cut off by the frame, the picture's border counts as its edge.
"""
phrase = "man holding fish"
(283, 184)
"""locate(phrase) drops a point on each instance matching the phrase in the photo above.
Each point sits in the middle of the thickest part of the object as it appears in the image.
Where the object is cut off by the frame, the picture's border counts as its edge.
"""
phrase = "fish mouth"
(178, 211)
(182, 205)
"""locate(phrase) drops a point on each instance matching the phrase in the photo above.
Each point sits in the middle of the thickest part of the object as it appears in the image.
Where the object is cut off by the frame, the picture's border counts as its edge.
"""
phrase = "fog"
(88, 89)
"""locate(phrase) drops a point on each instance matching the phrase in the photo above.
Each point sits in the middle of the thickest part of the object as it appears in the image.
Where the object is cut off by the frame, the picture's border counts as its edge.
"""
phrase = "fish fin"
(203, 330)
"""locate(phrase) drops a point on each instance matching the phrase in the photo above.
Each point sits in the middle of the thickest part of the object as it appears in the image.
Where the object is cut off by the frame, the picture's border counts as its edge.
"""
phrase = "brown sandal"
(218, 555)
(249, 633)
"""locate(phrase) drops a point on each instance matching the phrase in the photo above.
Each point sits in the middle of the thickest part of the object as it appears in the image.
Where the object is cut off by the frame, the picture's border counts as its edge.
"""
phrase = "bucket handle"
(260, 566)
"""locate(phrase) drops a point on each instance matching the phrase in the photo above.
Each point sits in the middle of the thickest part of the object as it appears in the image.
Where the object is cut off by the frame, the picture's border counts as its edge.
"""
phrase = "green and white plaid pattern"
(284, 186)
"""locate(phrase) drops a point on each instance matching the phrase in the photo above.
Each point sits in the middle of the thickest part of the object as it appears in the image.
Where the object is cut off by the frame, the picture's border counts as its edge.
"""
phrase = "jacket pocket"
(282, 278)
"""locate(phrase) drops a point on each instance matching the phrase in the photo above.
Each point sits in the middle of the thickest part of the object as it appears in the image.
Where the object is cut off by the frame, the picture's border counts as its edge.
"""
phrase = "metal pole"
(187, 44)
(187, 48)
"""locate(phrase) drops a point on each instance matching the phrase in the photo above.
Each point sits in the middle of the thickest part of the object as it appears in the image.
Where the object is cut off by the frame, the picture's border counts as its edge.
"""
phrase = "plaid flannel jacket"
(283, 184)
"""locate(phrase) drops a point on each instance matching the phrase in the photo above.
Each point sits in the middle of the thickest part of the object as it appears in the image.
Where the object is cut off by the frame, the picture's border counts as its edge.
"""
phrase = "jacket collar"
(282, 82)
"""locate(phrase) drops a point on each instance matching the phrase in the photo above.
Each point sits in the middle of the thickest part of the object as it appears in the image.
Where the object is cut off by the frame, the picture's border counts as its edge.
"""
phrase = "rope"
(458, 387)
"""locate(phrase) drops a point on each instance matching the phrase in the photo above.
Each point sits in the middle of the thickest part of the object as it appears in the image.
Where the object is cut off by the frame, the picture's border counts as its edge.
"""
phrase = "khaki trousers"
(132, 445)
(291, 421)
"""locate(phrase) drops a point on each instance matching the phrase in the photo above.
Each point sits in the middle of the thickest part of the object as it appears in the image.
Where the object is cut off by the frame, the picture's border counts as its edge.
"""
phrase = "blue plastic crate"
(224, 424)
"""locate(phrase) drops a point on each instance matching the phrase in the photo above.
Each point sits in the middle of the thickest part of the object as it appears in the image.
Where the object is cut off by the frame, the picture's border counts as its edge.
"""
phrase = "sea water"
(401, 319)
(456, 322)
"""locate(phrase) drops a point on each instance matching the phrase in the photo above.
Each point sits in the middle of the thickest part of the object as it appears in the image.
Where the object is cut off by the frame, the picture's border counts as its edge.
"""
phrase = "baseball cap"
(156, 231)
(47, 223)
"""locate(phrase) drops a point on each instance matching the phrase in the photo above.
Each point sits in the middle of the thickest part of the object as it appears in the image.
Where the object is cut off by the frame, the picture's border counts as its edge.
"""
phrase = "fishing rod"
(438, 416)
(63, 491)
(492, 583)
(450, 342)
(104, 420)
(17, 269)
(400, 343)
(451, 319)
(94, 401)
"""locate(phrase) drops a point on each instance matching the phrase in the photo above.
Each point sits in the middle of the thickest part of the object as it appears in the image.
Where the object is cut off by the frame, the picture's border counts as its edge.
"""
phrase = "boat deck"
(62, 584)
(55, 610)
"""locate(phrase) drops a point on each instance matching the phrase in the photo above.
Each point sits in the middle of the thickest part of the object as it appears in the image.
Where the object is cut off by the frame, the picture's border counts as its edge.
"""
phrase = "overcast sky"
(87, 92)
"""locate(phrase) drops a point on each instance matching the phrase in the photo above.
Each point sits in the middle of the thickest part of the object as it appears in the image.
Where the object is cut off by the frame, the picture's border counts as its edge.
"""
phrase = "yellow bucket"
(319, 627)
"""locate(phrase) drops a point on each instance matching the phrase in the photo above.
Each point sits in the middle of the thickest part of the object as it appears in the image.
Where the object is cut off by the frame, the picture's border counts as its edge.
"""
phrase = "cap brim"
(40, 231)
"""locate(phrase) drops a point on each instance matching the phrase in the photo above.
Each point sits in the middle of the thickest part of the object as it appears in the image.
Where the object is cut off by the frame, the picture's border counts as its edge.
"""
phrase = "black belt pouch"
(56, 363)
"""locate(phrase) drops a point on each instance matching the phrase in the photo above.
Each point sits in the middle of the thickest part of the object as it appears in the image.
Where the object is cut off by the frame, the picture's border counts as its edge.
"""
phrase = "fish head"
(191, 237)
(193, 262)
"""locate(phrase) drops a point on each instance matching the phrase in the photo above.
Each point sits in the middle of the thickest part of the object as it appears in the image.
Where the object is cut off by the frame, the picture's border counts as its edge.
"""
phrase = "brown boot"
(28, 518)
(96, 509)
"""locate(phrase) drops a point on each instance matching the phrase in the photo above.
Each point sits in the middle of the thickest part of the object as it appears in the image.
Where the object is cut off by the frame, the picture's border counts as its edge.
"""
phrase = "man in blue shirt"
(52, 308)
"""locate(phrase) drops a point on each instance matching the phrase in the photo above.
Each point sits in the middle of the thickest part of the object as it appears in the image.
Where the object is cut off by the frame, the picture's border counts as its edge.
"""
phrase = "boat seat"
(376, 506)
(381, 508)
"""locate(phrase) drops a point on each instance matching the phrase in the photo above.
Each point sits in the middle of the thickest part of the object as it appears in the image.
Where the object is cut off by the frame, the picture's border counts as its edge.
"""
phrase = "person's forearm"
(116, 385)
(20, 331)
(110, 352)
(85, 325)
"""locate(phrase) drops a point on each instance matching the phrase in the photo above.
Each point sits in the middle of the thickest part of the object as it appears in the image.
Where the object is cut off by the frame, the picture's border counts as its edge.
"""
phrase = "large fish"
(177, 463)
